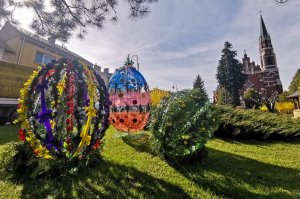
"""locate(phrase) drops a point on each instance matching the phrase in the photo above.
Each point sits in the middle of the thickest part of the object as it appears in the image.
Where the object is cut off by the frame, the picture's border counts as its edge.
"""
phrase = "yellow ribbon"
(23, 95)
(90, 112)
(30, 137)
(61, 85)
(35, 144)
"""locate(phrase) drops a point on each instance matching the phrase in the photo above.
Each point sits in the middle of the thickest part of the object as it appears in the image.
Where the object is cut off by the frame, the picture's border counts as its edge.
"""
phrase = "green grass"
(233, 169)
(8, 133)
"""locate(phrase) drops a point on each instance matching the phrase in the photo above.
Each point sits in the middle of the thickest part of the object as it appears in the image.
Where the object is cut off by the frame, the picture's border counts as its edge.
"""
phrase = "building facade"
(21, 47)
(264, 77)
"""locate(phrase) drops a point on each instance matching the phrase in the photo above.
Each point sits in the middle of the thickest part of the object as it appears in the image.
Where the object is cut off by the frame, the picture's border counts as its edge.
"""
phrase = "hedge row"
(242, 123)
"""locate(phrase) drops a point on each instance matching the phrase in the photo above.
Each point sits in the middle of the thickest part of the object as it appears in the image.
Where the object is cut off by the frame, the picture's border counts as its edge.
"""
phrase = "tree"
(282, 96)
(295, 84)
(223, 97)
(64, 17)
(252, 99)
(199, 84)
(229, 74)
(269, 99)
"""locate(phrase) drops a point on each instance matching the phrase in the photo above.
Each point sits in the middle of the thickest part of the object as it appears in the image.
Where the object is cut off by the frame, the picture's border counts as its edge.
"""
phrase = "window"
(41, 58)
(270, 61)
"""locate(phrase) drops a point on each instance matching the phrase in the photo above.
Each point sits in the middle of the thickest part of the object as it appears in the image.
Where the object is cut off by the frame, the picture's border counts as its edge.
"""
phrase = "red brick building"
(264, 76)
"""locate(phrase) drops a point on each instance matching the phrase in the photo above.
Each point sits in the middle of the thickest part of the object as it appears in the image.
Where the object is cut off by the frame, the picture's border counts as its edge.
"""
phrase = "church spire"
(263, 29)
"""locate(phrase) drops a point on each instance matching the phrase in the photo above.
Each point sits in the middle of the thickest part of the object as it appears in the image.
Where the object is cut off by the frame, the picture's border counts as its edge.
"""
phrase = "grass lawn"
(8, 133)
(233, 169)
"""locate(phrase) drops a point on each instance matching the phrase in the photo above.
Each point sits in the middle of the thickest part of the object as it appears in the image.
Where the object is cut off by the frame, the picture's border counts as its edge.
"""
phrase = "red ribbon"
(70, 97)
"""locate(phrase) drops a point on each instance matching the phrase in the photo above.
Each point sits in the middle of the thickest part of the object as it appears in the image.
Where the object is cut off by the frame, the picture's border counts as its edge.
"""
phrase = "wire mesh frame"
(142, 109)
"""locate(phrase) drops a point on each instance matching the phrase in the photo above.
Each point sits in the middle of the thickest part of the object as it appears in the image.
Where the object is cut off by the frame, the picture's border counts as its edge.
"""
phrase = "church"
(266, 75)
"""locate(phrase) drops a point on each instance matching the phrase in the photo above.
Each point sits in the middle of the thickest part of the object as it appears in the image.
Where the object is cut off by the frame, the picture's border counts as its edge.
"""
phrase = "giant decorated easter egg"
(130, 99)
(63, 110)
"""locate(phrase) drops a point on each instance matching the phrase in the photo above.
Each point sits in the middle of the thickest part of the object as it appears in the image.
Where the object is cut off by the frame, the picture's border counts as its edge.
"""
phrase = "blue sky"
(181, 39)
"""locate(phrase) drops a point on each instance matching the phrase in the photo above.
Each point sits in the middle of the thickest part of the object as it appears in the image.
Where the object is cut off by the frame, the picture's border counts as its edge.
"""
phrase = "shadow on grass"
(256, 142)
(107, 180)
(239, 177)
(140, 142)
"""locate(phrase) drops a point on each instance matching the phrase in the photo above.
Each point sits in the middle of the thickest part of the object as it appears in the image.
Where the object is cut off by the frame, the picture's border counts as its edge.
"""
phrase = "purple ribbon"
(45, 115)
(85, 96)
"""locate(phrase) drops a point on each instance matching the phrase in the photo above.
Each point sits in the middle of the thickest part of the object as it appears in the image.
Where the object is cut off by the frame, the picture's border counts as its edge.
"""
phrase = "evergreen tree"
(295, 84)
(199, 84)
(66, 17)
(229, 74)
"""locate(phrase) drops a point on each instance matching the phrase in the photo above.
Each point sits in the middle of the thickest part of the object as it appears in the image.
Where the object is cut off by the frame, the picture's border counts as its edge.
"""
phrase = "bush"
(263, 108)
(256, 124)
(284, 107)
(252, 99)
(20, 164)
(182, 124)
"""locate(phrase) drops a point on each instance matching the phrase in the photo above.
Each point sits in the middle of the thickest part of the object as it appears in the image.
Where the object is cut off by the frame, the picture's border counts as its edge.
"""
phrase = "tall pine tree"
(61, 19)
(199, 84)
(229, 74)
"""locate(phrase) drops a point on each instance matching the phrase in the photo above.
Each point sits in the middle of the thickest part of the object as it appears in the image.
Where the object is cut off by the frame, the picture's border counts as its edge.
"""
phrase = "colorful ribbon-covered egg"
(130, 99)
(63, 110)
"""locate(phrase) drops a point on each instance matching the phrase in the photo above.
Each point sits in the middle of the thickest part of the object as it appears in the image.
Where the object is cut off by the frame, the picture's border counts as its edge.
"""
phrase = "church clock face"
(281, 2)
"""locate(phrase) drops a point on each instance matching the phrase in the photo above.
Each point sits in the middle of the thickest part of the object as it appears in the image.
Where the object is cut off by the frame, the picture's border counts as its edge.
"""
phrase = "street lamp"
(175, 86)
(137, 61)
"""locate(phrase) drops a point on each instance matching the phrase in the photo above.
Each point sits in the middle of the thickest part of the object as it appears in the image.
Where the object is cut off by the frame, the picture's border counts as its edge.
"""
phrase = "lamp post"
(137, 61)
(175, 86)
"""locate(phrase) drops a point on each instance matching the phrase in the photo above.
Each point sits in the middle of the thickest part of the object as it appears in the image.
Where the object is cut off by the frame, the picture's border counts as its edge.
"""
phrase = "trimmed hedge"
(242, 123)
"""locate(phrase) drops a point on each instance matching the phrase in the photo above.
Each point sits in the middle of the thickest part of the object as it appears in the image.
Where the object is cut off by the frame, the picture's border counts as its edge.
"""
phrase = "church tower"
(270, 72)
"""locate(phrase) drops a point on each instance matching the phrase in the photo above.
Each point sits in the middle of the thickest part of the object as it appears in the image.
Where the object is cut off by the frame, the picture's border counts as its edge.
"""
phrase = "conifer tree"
(295, 84)
(199, 84)
(229, 74)
(61, 19)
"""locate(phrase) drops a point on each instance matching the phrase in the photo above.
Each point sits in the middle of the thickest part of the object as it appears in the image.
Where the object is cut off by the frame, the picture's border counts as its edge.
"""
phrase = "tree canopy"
(64, 17)
(295, 84)
(229, 74)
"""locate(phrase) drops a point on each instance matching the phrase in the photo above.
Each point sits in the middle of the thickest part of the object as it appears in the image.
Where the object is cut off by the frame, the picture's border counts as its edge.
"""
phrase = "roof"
(263, 29)
(41, 41)
(5, 46)
(294, 95)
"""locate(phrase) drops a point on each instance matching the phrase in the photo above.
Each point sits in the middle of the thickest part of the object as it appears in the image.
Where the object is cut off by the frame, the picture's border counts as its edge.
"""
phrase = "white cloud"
(180, 39)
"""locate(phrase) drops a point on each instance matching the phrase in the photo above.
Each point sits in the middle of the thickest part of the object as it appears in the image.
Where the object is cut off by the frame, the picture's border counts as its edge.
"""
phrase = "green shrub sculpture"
(182, 124)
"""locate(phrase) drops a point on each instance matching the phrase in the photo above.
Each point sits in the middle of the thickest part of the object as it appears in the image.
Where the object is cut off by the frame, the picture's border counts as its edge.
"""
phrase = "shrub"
(20, 164)
(256, 124)
(264, 108)
(157, 95)
(182, 124)
(284, 107)
(252, 99)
